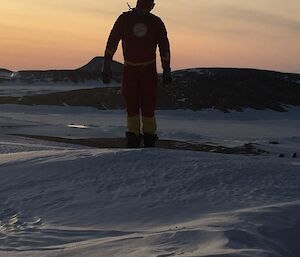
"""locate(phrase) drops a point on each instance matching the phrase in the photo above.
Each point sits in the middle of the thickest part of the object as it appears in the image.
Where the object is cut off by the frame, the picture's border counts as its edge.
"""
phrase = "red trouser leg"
(139, 89)
(149, 91)
(131, 90)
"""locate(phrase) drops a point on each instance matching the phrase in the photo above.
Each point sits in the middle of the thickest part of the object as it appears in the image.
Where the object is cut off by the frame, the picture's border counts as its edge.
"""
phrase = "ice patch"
(78, 126)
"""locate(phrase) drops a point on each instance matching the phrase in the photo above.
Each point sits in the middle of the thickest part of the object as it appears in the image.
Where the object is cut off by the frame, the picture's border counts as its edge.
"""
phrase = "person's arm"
(165, 55)
(111, 47)
(114, 39)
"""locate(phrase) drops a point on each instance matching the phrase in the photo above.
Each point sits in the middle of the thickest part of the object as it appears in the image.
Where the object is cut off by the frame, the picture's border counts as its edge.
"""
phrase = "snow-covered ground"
(16, 88)
(236, 128)
(62, 200)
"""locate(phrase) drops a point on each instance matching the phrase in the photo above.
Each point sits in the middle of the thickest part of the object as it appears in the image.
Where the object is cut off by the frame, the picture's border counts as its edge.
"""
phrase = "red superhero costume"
(140, 35)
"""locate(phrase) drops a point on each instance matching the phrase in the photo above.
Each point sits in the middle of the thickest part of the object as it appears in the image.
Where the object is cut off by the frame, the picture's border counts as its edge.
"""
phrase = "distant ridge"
(90, 71)
(239, 74)
(5, 75)
(96, 64)
(5, 70)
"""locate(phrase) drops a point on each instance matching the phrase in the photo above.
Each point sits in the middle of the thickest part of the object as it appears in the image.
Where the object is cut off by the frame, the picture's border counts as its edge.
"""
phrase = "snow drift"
(67, 200)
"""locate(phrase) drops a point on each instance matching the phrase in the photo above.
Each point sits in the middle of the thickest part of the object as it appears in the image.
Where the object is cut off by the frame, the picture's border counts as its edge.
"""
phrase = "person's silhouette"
(141, 32)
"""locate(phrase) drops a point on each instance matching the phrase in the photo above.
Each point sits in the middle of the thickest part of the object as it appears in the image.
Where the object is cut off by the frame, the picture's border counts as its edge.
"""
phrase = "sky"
(66, 34)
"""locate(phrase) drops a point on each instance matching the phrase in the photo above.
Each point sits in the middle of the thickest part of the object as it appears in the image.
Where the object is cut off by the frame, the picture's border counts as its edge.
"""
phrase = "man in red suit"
(141, 32)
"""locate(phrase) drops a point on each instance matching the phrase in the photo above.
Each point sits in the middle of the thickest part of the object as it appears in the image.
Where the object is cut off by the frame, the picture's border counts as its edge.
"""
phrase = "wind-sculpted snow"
(59, 200)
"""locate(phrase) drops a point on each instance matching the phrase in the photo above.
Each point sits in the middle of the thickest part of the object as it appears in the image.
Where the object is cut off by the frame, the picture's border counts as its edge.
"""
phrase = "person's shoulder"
(127, 14)
(157, 20)
(124, 16)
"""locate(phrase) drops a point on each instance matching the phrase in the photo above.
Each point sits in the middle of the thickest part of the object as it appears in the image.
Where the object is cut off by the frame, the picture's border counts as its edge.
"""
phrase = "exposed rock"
(194, 89)
(5, 75)
(90, 71)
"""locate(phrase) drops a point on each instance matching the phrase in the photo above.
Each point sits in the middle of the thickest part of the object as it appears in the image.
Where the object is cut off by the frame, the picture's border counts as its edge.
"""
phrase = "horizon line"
(179, 69)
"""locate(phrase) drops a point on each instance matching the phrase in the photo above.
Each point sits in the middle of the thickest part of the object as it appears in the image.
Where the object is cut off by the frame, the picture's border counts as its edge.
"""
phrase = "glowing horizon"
(263, 34)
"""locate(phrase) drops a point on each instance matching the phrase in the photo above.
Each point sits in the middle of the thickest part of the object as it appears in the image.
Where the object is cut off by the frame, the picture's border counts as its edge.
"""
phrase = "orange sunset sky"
(66, 34)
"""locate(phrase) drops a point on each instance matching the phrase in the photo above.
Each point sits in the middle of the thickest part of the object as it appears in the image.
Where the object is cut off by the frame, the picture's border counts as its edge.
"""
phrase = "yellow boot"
(149, 125)
(133, 135)
(149, 130)
(134, 124)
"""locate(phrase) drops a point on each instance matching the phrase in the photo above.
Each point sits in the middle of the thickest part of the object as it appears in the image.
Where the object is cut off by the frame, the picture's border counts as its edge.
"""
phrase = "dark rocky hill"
(5, 71)
(5, 75)
(96, 64)
(91, 71)
(195, 89)
(227, 88)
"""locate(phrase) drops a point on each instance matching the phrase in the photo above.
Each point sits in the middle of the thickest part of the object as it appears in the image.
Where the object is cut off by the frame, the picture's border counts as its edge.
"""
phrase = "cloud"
(257, 16)
(232, 17)
(88, 7)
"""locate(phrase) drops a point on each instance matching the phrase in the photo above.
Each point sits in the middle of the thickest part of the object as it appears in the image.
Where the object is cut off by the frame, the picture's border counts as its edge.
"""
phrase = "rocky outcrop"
(195, 89)
(231, 89)
(5, 75)
(90, 71)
